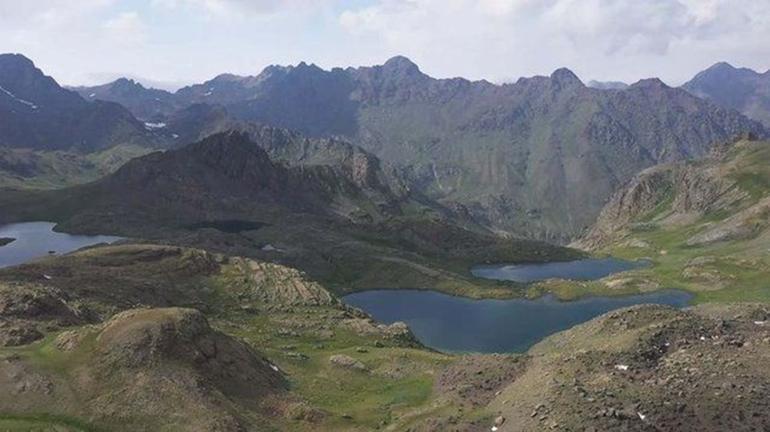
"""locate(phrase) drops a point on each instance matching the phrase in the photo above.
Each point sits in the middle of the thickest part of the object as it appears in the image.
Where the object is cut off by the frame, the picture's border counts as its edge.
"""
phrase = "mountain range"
(252, 205)
(39, 114)
(342, 215)
(536, 158)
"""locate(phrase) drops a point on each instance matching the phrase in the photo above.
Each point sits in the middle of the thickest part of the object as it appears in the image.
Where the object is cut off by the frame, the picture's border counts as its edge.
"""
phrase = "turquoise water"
(587, 269)
(451, 324)
(37, 239)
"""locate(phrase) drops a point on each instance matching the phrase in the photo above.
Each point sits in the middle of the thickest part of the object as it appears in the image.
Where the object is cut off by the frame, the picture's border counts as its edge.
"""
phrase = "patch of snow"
(621, 367)
(760, 322)
(47, 277)
(494, 429)
(92, 95)
(175, 136)
(151, 126)
(208, 93)
(274, 367)
(703, 338)
(641, 416)
(21, 101)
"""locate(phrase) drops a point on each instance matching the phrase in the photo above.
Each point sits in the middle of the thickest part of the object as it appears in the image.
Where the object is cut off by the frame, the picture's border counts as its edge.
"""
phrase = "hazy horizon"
(172, 43)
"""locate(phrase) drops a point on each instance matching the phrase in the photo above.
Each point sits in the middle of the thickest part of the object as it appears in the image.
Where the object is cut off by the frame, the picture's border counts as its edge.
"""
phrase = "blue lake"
(456, 324)
(37, 239)
(586, 269)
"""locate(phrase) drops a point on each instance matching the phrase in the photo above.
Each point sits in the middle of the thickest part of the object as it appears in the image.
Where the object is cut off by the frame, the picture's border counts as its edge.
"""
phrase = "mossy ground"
(43, 423)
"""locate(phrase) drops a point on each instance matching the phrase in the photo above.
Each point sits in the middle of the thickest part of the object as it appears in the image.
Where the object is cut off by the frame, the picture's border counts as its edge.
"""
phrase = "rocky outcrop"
(741, 226)
(275, 285)
(347, 362)
(28, 311)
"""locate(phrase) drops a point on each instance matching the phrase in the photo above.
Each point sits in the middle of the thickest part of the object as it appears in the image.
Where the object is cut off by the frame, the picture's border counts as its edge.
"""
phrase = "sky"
(170, 43)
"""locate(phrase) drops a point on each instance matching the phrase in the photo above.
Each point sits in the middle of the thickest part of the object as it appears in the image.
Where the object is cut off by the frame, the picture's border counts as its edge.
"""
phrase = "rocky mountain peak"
(722, 66)
(401, 65)
(566, 78)
(18, 74)
(231, 145)
(127, 85)
(226, 78)
(650, 84)
(17, 60)
(722, 71)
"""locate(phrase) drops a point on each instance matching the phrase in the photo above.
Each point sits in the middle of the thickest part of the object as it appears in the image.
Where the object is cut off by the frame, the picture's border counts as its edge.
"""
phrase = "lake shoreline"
(455, 325)
(36, 240)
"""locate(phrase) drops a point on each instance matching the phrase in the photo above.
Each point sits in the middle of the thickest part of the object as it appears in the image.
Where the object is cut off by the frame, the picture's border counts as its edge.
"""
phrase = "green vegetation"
(28, 169)
(717, 252)
(291, 321)
(43, 423)
(397, 379)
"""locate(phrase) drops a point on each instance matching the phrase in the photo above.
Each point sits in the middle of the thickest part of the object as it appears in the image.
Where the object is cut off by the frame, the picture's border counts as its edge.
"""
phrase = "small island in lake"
(6, 240)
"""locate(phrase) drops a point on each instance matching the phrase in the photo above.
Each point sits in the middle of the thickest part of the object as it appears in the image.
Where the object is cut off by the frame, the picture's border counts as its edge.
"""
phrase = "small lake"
(456, 324)
(36, 239)
(586, 269)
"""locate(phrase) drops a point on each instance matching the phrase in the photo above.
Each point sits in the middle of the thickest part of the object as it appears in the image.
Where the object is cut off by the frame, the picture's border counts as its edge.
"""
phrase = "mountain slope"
(537, 158)
(34, 169)
(146, 104)
(741, 89)
(705, 224)
(342, 217)
(36, 113)
(607, 85)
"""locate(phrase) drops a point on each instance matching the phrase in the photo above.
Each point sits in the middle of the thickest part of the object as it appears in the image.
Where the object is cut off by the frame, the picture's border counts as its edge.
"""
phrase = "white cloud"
(184, 40)
(126, 29)
(600, 38)
(236, 8)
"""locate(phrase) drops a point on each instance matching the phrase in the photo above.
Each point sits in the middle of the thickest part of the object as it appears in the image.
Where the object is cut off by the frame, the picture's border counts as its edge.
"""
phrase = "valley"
(372, 248)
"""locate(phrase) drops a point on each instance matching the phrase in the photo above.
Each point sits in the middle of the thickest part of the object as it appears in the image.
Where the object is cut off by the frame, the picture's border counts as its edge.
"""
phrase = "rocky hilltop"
(646, 368)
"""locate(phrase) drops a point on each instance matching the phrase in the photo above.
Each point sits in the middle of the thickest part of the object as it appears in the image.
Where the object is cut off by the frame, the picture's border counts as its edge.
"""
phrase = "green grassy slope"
(704, 226)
